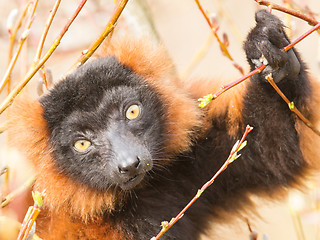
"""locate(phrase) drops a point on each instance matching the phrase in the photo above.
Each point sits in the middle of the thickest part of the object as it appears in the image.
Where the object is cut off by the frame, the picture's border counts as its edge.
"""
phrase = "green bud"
(291, 105)
(164, 224)
(37, 198)
(205, 100)
(199, 193)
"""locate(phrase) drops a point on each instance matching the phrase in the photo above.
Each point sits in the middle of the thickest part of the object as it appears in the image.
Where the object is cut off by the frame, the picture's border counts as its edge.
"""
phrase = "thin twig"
(253, 234)
(10, 98)
(5, 184)
(4, 170)
(13, 32)
(31, 216)
(223, 12)
(223, 47)
(288, 47)
(297, 224)
(7, 199)
(200, 54)
(109, 27)
(13, 60)
(232, 156)
(26, 228)
(292, 12)
(43, 37)
(233, 84)
(204, 101)
(31, 16)
(291, 105)
(46, 29)
(12, 63)
(25, 34)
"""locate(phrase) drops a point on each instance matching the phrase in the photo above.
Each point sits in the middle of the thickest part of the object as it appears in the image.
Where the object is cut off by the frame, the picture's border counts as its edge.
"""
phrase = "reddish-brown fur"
(309, 141)
(228, 105)
(63, 226)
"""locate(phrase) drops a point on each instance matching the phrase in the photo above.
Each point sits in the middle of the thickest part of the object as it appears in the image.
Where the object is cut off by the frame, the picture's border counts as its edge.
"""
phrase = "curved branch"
(292, 12)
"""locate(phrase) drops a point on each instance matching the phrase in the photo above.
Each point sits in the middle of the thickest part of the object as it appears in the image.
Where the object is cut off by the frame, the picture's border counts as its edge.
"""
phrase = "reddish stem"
(297, 14)
(316, 27)
(233, 84)
(204, 187)
(291, 105)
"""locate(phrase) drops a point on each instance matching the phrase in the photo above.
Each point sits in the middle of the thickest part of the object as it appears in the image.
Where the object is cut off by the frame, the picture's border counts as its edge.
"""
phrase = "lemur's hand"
(267, 39)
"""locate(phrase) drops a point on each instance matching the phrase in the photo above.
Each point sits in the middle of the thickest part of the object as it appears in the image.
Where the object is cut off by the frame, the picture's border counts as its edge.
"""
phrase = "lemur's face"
(106, 125)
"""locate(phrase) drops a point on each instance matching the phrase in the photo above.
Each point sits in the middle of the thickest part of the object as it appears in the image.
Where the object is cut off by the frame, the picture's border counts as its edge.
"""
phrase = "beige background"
(183, 30)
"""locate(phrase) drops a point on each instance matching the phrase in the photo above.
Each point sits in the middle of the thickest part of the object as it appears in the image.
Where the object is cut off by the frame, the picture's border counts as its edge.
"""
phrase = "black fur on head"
(87, 110)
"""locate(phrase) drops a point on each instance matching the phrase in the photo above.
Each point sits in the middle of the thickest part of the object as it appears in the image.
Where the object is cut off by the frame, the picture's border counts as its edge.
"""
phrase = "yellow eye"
(82, 145)
(133, 112)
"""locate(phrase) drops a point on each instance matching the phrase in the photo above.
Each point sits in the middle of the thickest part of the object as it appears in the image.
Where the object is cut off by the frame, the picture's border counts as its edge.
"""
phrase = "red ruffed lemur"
(120, 144)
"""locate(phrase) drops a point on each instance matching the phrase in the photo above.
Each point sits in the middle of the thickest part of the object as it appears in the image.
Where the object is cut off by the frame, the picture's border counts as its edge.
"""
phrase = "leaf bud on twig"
(11, 19)
(25, 34)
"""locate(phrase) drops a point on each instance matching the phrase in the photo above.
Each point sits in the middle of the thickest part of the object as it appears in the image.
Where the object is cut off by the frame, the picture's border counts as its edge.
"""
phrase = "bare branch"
(22, 40)
(46, 29)
(295, 13)
(232, 156)
(291, 105)
(10, 98)
(31, 216)
(7, 199)
(109, 27)
(13, 32)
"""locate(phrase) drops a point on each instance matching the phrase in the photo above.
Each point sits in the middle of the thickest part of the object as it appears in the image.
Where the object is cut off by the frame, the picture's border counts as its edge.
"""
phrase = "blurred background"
(182, 29)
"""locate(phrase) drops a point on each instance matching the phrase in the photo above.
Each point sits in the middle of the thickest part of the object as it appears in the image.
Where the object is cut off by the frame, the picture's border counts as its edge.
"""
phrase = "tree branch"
(232, 156)
(291, 105)
(292, 12)
(46, 29)
(109, 27)
(24, 35)
(31, 216)
(10, 98)
(7, 199)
